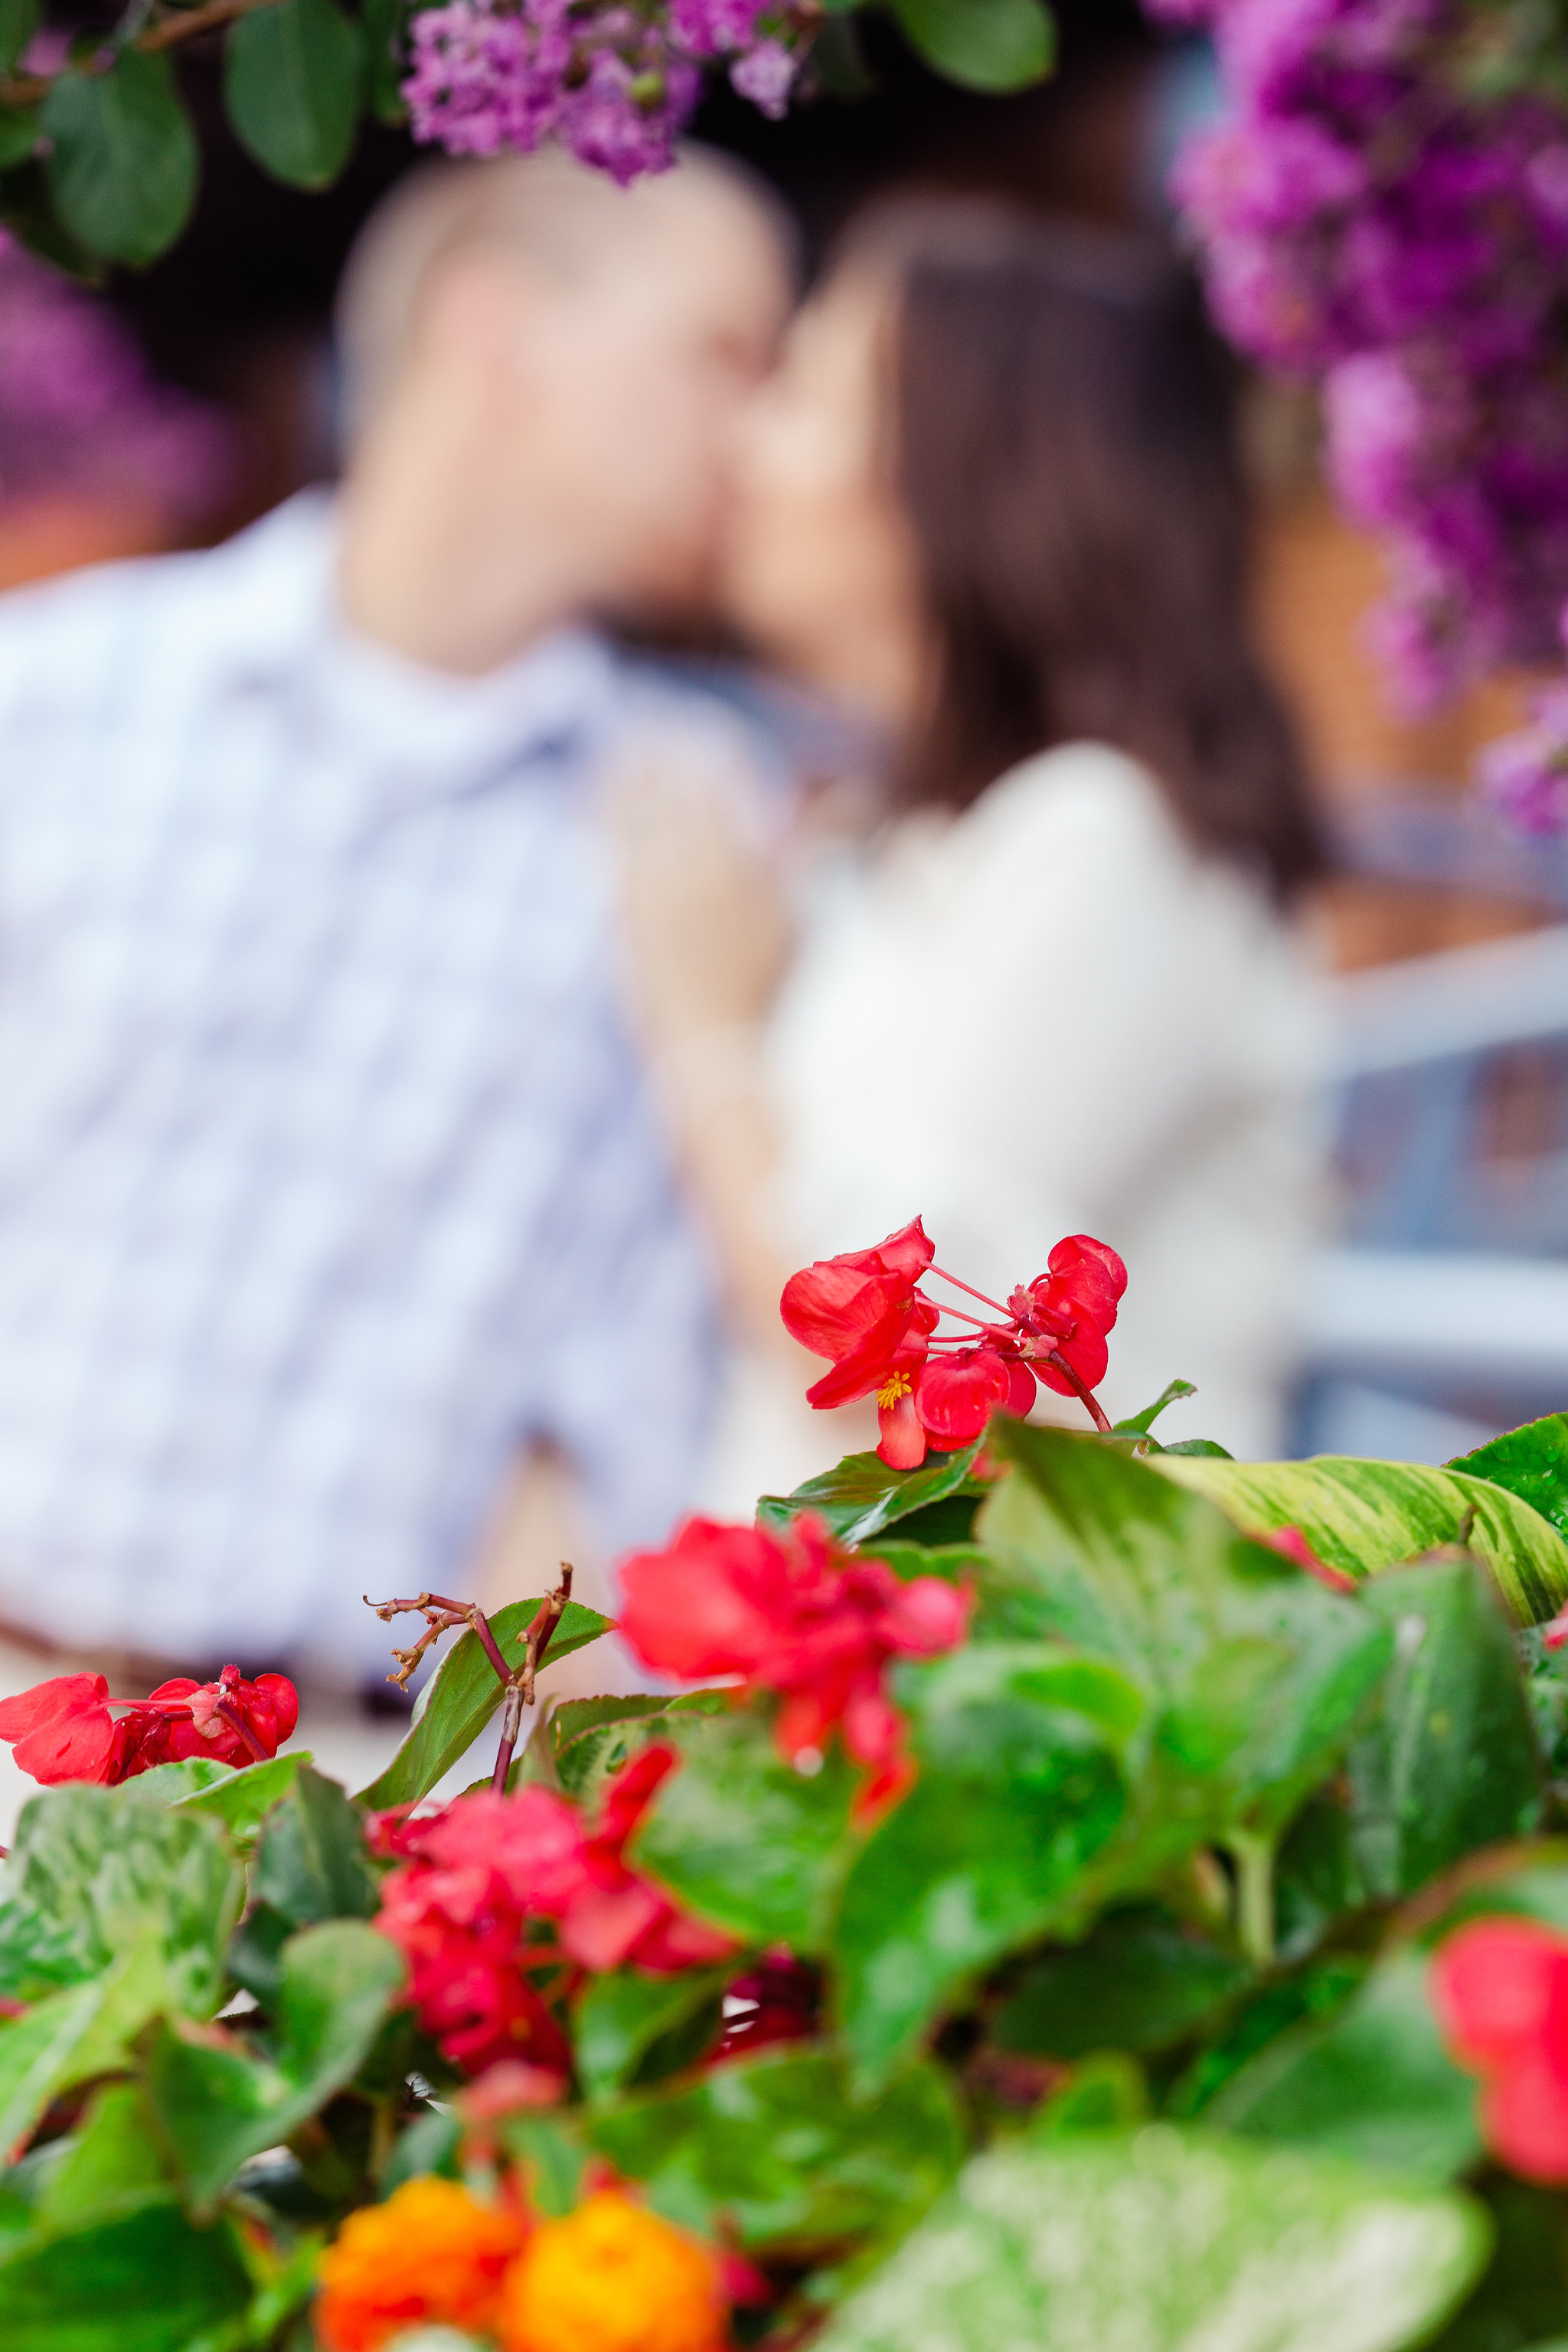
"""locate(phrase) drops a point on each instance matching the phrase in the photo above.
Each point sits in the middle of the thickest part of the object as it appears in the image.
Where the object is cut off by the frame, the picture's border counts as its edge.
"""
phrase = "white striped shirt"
(328, 1171)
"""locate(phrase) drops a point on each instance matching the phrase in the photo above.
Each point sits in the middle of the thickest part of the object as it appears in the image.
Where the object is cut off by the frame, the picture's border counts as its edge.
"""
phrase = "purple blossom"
(1524, 775)
(765, 75)
(82, 412)
(1362, 220)
(714, 28)
(614, 82)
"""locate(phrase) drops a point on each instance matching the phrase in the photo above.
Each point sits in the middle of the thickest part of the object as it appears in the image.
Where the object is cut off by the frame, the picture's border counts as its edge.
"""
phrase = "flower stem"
(969, 1287)
(1254, 1859)
(237, 1724)
(1081, 1390)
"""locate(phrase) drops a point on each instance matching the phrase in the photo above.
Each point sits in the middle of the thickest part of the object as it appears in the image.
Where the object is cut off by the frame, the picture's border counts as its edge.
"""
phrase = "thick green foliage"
(1122, 2030)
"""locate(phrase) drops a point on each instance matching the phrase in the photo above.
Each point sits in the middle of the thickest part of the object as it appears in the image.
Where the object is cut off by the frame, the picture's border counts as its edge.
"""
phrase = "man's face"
(634, 379)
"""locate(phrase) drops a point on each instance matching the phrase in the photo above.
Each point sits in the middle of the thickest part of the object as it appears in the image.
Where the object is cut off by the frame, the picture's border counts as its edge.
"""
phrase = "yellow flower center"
(898, 1386)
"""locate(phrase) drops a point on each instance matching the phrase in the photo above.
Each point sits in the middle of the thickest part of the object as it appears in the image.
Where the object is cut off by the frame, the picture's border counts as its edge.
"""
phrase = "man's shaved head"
(555, 217)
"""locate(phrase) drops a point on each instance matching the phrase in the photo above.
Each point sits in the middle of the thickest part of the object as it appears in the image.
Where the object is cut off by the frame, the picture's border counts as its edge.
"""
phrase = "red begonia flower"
(959, 1393)
(475, 1877)
(791, 1613)
(1500, 1987)
(64, 1730)
(867, 1312)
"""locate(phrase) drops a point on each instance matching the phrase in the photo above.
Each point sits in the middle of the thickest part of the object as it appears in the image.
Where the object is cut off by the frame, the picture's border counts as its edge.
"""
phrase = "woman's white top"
(1049, 1015)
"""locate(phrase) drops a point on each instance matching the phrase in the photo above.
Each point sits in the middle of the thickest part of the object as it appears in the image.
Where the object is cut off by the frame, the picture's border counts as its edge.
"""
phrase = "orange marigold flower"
(431, 2255)
(612, 2277)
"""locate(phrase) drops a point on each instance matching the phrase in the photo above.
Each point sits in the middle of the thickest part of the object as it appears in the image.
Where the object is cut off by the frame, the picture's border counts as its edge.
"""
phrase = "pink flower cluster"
(482, 1884)
(615, 83)
(1367, 218)
(791, 1613)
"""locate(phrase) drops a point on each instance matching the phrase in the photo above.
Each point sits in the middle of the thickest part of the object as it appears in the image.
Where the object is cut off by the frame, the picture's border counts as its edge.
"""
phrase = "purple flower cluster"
(1524, 776)
(81, 412)
(615, 83)
(1366, 219)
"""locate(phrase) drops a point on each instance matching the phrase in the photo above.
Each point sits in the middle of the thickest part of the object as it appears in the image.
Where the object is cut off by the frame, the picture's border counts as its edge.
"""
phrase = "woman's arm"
(707, 937)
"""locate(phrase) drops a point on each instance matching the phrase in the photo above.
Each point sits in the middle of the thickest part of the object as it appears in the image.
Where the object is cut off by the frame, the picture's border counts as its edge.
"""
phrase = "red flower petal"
(896, 1344)
(691, 1608)
(62, 1729)
(902, 1441)
(1293, 1545)
(1525, 2116)
(959, 1393)
(927, 1615)
(1092, 1272)
(1498, 1987)
(833, 1308)
(908, 1252)
(1086, 1351)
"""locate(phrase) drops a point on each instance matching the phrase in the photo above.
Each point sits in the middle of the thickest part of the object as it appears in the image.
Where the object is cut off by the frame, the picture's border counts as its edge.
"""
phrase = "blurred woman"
(990, 500)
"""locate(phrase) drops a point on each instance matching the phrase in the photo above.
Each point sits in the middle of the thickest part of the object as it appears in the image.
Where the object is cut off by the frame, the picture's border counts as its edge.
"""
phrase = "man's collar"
(282, 597)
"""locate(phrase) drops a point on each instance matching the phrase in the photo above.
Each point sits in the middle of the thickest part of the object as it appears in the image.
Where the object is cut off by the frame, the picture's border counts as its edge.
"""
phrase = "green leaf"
(37, 1957)
(292, 77)
(744, 1839)
(462, 1696)
(862, 1496)
(124, 160)
(241, 1801)
(385, 68)
(621, 2016)
(1142, 1980)
(36, 2053)
(1531, 1462)
(149, 2280)
(19, 135)
(775, 2143)
(1364, 1516)
(1451, 1762)
(20, 20)
(1139, 1424)
(1107, 2095)
(219, 2105)
(28, 210)
(993, 45)
(115, 1872)
(1160, 2239)
(432, 2143)
(1019, 1785)
(1528, 1886)
(1374, 2083)
(1255, 1674)
(116, 2156)
(312, 1862)
(591, 1738)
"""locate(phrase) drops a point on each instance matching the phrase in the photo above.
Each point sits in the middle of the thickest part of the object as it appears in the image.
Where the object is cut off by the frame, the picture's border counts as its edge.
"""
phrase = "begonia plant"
(1064, 1887)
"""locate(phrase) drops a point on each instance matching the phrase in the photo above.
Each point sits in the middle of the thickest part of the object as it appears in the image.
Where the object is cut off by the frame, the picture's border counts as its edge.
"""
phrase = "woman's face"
(820, 569)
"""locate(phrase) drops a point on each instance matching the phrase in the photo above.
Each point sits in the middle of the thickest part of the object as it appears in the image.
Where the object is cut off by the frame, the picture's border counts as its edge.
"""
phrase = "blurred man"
(329, 1182)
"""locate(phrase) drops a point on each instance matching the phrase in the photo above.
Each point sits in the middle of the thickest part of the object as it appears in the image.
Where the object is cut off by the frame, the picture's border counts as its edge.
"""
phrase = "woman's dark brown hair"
(1063, 450)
